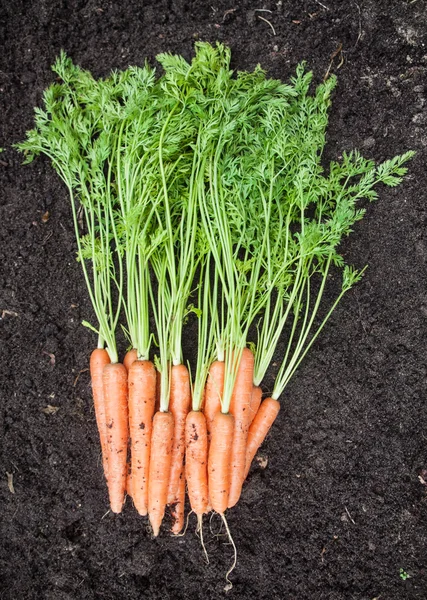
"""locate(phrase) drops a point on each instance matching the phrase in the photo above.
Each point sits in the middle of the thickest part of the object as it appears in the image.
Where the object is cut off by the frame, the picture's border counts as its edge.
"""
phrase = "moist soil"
(340, 510)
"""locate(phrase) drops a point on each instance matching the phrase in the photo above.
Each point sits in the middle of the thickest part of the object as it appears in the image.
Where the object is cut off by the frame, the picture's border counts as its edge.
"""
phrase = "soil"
(340, 511)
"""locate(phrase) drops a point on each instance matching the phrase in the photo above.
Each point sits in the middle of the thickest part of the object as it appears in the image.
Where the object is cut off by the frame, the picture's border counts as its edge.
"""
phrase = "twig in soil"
(337, 52)
(322, 5)
(360, 315)
(10, 313)
(228, 12)
(349, 515)
(323, 553)
(49, 409)
(267, 21)
(78, 375)
(47, 237)
(360, 24)
(10, 482)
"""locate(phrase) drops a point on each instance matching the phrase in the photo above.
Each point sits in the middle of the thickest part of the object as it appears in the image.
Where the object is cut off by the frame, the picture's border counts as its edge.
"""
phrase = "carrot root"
(219, 461)
(240, 409)
(130, 357)
(196, 461)
(259, 428)
(255, 402)
(160, 463)
(213, 393)
(115, 387)
(98, 359)
(179, 406)
(142, 395)
(177, 511)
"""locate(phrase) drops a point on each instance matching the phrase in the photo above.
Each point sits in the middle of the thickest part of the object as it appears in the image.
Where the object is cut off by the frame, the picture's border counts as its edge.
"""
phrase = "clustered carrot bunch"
(199, 195)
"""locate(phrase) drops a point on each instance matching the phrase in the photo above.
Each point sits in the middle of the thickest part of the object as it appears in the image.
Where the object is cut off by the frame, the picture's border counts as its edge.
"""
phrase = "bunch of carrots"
(203, 198)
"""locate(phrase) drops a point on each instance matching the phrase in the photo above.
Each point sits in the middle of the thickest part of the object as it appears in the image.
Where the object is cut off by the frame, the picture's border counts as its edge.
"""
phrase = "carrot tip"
(116, 508)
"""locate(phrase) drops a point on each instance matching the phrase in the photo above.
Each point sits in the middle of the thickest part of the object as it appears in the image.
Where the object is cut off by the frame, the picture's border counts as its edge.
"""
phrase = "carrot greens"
(74, 132)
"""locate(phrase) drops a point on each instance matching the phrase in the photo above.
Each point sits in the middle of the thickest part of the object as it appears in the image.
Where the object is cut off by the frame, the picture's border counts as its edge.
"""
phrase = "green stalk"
(207, 323)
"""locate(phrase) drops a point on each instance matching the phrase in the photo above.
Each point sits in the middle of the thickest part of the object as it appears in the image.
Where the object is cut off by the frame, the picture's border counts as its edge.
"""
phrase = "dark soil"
(340, 512)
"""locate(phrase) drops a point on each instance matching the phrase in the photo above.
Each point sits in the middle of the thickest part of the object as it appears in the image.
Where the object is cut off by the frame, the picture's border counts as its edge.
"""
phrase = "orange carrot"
(142, 395)
(129, 358)
(219, 461)
(240, 409)
(98, 359)
(114, 377)
(259, 428)
(196, 458)
(160, 464)
(179, 405)
(213, 393)
(255, 402)
(177, 511)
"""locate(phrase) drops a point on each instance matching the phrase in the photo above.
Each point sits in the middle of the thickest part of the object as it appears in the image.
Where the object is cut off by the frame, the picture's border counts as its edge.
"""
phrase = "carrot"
(240, 409)
(196, 459)
(179, 405)
(255, 402)
(142, 396)
(259, 428)
(177, 511)
(219, 461)
(114, 377)
(213, 393)
(160, 463)
(129, 358)
(98, 359)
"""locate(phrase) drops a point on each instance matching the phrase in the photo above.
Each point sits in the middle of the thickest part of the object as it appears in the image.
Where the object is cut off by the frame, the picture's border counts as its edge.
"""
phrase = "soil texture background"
(340, 511)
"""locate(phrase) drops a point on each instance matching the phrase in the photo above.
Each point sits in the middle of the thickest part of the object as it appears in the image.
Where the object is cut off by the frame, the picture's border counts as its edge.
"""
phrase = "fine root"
(229, 585)
(199, 532)
(185, 528)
